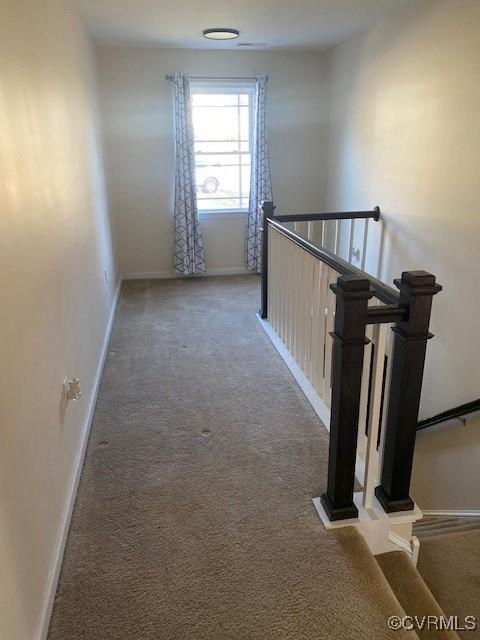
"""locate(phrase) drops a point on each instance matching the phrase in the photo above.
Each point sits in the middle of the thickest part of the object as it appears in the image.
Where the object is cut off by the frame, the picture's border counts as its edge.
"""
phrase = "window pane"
(245, 180)
(222, 150)
(213, 204)
(244, 128)
(211, 123)
(220, 160)
(219, 181)
(214, 99)
(220, 146)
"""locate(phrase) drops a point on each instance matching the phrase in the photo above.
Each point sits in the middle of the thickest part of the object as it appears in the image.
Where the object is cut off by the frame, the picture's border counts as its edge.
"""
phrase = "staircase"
(446, 583)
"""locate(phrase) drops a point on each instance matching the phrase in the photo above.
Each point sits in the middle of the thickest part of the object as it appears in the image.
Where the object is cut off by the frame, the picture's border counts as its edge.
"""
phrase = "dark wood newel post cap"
(418, 283)
(268, 207)
(352, 286)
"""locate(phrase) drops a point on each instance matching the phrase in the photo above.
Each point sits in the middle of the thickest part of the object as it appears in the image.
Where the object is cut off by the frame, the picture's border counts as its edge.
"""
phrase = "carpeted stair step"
(412, 593)
(429, 533)
(444, 525)
(450, 565)
(428, 520)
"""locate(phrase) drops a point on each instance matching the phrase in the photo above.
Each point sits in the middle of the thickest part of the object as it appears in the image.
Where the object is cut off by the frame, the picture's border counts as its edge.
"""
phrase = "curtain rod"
(172, 77)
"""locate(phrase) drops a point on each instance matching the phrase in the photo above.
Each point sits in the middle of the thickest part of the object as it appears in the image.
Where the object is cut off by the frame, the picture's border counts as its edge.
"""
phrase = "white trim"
(222, 85)
(380, 530)
(373, 514)
(222, 214)
(400, 542)
(52, 580)
(469, 513)
(158, 275)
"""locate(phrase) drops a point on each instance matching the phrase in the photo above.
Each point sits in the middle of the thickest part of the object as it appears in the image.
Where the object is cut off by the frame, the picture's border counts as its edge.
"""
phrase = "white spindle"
(372, 457)
(302, 289)
(330, 323)
(310, 262)
(315, 330)
(365, 238)
(282, 307)
(386, 395)
(362, 421)
(350, 240)
(271, 281)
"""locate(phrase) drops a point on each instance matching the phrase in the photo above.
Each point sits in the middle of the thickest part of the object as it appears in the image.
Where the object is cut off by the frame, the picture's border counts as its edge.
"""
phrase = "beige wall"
(136, 103)
(55, 302)
(405, 133)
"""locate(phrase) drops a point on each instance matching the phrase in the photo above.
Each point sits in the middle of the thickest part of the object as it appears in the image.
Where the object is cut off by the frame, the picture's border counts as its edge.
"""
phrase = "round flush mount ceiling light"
(220, 33)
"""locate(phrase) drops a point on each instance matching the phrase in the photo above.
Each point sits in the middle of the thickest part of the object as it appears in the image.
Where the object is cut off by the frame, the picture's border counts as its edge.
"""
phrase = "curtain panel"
(189, 252)
(260, 181)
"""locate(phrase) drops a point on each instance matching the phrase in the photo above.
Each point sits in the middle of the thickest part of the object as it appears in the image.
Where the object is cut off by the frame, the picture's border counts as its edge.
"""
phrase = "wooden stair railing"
(407, 310)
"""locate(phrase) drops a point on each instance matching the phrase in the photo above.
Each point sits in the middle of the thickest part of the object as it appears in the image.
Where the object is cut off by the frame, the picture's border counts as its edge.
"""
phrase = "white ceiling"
(287, 24)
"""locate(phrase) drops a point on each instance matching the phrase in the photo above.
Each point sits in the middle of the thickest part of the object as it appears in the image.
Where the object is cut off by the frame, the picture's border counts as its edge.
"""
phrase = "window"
(222, 124)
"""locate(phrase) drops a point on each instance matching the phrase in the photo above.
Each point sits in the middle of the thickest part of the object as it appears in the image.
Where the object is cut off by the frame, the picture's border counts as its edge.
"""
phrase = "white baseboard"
(158, 275)
(303, 382)
(72, 490)
(469, 513)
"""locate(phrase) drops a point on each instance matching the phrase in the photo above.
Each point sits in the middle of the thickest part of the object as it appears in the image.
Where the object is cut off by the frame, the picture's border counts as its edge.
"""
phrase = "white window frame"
(235, 87)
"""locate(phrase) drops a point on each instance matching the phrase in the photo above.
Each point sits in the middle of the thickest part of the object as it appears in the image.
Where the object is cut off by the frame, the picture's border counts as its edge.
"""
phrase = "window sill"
(222, 215)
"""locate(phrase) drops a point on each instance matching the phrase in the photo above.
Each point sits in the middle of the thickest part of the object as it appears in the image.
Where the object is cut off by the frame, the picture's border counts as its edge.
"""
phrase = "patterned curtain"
(189, 254)
(260, 182)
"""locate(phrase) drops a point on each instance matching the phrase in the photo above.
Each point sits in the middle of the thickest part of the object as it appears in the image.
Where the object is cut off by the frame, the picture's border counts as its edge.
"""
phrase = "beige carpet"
(194, 518)
(413, 594)
(450, 565)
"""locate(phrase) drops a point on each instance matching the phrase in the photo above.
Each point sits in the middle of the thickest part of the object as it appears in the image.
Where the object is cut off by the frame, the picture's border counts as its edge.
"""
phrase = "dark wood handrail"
(340, 215)
(382, 291)
(456, 412)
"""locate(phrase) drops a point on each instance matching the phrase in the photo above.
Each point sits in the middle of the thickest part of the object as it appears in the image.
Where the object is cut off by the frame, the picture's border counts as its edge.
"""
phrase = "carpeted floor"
(194, 518)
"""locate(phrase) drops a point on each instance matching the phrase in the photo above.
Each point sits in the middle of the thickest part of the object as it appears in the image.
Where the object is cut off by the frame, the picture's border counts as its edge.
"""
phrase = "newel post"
(417, 289)
(353, 293)
(268, 209)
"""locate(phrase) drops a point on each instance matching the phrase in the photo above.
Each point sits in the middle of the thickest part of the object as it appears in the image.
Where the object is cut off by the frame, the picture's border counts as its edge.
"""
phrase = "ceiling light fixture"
(221, 34)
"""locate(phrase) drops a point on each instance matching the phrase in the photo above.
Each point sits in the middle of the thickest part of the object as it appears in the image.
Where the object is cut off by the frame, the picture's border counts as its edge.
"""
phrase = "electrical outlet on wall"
(72, 389)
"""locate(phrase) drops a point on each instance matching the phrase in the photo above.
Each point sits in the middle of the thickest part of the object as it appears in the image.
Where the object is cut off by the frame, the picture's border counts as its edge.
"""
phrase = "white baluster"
(365, 239)
(350, 241)
(337, 237)
(379, 336)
